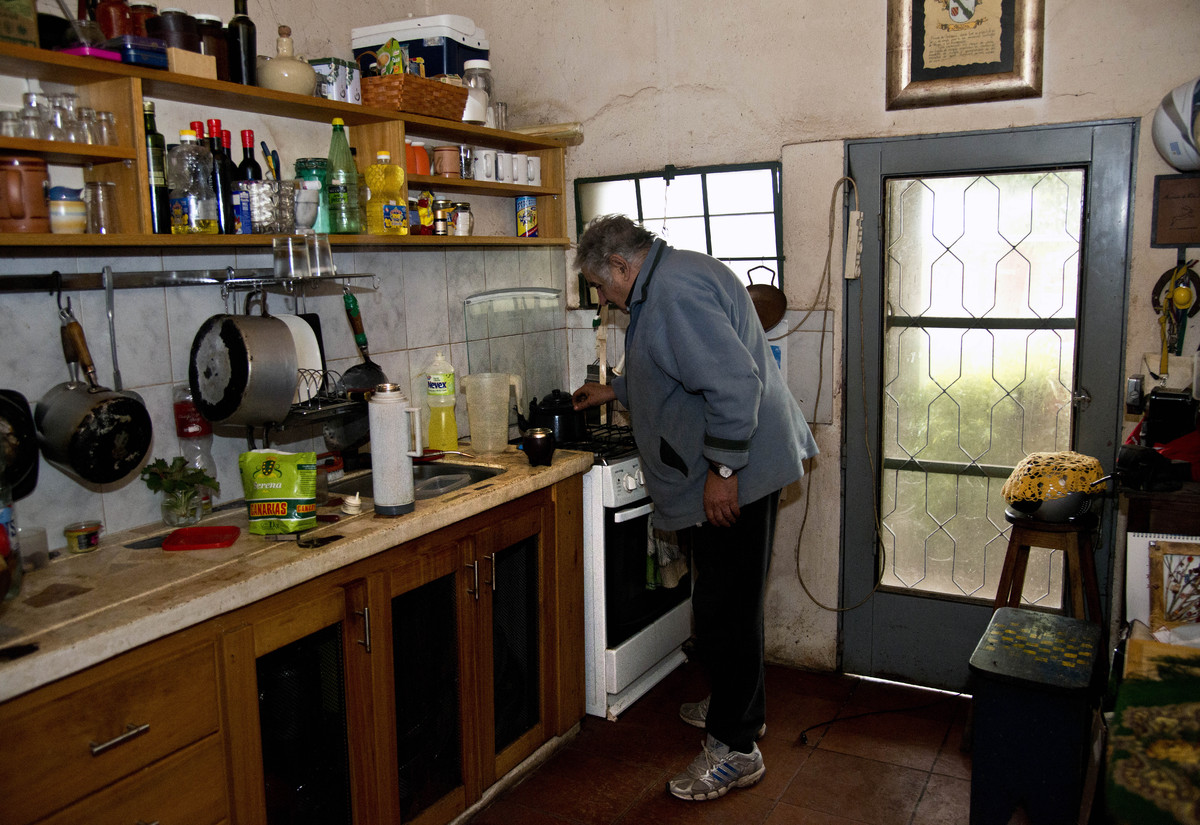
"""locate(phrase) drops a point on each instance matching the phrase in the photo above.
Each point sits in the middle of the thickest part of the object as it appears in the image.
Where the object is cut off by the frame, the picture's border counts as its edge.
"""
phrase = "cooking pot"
(98, 434)
(556, 412)
(243, 370)
(769, 301)
(18, 445)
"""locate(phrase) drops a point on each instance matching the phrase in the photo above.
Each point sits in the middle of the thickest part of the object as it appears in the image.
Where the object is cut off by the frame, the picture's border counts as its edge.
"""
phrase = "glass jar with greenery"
(180, 486)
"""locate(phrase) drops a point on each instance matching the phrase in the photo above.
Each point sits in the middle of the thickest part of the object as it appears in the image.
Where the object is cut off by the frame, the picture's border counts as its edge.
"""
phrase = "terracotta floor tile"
(783, 759)
(952, 760)
(506, 812)
(785, 814)
(860, 789)
(587, 788)
(897, 738)
(657, 807)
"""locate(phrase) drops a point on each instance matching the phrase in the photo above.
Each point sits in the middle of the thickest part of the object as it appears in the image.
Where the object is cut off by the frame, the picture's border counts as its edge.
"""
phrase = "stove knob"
(641, 478)
(630, 482)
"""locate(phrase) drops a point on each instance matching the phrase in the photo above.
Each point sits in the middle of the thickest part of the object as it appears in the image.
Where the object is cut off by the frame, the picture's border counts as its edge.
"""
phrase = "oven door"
(632, 602)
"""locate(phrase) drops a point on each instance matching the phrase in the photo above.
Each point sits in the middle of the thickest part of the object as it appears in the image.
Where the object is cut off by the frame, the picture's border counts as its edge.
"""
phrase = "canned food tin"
(527, 225)
(82, 536)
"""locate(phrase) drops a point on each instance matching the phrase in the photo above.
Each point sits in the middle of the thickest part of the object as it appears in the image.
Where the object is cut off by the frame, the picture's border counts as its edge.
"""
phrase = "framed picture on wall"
(1176, 221)
(944, 52)
(1174, 584)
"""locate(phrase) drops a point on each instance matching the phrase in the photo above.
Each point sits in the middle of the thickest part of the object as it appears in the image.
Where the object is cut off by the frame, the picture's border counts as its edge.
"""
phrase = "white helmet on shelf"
(1175, 125)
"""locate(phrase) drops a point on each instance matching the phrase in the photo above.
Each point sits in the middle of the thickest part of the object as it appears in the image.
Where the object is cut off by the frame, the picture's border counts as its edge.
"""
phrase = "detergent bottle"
(443, 428)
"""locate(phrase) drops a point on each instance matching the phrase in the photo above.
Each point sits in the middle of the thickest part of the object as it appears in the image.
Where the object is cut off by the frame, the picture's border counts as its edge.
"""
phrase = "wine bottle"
(222, 177)
(248, 169)
(156, 165)
(243, 46)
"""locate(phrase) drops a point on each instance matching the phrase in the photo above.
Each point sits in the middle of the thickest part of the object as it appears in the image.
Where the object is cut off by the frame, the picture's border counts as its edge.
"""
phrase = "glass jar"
(442, 211)
(213, 42)
(114, 18)
(312, 199)
(477, 77)
(464, 221)
(139, 13)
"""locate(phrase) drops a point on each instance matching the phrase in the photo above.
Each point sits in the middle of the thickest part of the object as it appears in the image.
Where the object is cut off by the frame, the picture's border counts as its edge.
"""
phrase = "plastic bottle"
(10, 544)
(189, 174)
(342, 183)
(156, 165)
(387, 211)
(443, 428)
(195, 440)
(243, 46)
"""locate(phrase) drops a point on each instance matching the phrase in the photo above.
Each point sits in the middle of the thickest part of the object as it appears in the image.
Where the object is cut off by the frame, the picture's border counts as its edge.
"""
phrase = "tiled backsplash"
(417, 310)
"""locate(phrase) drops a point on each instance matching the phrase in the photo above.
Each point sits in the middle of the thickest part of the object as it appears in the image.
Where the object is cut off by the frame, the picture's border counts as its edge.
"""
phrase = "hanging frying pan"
(18, 444)
(769, 301)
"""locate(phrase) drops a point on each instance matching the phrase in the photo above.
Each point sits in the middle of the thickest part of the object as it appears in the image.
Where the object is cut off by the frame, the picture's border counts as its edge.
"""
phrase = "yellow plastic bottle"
(443, 427)
(387, 212)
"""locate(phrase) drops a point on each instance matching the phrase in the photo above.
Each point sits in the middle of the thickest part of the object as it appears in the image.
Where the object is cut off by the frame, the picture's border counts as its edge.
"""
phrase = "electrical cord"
(803, 737)
(827, 286)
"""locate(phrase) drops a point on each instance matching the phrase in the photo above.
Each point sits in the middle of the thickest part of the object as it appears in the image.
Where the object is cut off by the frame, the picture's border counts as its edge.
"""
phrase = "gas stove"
(608, 443)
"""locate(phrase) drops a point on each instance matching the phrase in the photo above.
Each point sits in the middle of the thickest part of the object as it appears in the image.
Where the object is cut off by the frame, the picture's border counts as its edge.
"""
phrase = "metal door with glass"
(992, 264)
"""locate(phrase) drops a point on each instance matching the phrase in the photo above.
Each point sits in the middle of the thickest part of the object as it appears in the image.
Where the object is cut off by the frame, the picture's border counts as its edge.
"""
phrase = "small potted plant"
(181, 486)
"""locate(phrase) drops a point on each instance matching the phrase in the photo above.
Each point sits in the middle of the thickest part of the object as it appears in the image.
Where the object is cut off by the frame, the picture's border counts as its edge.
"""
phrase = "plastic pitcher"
(489, 402)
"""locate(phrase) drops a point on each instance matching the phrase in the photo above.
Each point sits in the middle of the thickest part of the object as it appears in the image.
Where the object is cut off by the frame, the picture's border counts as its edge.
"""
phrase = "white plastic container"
(444, 41)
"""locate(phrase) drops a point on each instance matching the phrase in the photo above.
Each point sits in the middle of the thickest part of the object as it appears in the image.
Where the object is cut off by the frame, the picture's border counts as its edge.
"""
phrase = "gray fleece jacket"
(701, 385)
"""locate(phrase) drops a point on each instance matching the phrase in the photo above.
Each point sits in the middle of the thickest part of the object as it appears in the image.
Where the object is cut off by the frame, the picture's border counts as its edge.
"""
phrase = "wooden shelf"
(123, 86)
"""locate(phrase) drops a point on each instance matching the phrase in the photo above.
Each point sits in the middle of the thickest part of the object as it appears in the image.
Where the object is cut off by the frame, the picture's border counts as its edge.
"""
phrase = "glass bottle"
(223, 175)
(248, 169)
(243, 46)
(342, 183)
(477, 77)
(156, 164)
(189, 173)
(387, 213)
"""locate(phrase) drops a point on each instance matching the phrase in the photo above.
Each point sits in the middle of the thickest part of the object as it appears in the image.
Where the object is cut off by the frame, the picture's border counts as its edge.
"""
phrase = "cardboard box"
(18, 22)
(191, 63)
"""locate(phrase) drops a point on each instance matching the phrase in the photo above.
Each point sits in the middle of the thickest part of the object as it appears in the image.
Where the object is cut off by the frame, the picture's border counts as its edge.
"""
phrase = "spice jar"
(464, 221)
(139, 13)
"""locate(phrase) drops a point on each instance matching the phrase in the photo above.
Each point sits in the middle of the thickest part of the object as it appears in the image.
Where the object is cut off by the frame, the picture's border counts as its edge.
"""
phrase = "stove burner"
(606, 442)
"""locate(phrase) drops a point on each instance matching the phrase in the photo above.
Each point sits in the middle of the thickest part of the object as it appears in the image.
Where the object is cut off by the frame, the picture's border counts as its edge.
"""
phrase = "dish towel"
(666, 562)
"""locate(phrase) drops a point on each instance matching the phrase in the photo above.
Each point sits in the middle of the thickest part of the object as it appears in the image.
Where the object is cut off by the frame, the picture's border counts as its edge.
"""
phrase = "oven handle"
(629, 515)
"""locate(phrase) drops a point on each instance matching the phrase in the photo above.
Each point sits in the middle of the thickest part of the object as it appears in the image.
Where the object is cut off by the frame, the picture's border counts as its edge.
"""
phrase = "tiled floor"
(900, 767)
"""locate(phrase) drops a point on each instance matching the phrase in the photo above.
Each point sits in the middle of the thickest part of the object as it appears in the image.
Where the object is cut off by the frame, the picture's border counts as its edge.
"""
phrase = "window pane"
(679, 198)
(681, 233)
(744, 236)
(733, 192)
(616, 197)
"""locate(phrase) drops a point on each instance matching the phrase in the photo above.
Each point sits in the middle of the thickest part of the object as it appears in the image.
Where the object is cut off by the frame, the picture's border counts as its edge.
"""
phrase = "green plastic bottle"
(342, 177)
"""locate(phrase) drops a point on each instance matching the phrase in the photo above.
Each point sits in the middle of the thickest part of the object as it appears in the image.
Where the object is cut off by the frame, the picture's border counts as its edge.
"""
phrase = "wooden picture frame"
(1174, 584)
(946, 52)
(1176, 223)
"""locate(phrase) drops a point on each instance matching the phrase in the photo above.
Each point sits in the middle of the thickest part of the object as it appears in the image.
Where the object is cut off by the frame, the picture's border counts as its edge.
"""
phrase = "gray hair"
(610, 235)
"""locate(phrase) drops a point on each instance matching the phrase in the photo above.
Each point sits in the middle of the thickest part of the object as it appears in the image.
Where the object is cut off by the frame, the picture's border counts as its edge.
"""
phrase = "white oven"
(633, 634)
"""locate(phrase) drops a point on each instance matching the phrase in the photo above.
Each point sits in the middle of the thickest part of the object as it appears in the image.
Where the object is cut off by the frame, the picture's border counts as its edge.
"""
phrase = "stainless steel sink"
(429, 480)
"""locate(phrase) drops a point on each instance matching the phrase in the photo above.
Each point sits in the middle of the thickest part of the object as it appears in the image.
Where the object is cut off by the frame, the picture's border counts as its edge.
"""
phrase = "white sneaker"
(716, 770)
(696, 715)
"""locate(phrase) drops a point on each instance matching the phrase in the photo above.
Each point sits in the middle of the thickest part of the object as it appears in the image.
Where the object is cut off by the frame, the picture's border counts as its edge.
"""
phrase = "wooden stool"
(1074, 538)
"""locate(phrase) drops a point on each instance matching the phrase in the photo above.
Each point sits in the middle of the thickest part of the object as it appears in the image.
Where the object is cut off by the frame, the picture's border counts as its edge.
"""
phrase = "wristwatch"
(721, 469)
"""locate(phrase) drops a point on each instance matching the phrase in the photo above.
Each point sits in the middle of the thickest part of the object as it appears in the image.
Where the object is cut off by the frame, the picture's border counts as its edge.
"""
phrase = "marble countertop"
(83, 609)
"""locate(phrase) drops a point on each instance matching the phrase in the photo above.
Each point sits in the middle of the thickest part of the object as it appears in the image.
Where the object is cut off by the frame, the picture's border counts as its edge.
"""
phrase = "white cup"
(535, 170)
(484, 160)
(504, 167)
(520, 172)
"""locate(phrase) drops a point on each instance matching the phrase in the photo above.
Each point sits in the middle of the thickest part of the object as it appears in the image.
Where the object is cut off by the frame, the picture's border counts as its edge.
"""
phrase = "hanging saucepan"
(769, 301)
(243, 370)
(95, 433)
(18, 445)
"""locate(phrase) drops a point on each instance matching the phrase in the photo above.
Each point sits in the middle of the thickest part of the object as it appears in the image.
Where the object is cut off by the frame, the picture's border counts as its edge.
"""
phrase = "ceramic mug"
(535, 170)
(485, 164)
(504, 167)
(520, 170)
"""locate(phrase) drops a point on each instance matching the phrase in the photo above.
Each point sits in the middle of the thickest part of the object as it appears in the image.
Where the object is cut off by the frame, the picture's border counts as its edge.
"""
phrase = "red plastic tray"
(201, 538)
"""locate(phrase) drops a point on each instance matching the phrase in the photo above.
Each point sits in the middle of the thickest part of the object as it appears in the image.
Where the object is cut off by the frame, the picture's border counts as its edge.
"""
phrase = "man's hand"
(720, 500)
(592, 395)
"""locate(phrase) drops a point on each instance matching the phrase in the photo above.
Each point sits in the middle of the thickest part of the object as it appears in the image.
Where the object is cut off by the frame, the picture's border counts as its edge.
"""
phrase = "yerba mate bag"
(280, 489)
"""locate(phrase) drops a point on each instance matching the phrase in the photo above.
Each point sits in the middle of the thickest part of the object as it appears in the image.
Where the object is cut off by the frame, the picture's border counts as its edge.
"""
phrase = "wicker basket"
(417, 95)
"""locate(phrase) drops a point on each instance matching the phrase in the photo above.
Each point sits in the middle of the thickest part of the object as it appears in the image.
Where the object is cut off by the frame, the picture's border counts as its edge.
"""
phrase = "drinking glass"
(291, 257)
(320, 255)
(101, 199)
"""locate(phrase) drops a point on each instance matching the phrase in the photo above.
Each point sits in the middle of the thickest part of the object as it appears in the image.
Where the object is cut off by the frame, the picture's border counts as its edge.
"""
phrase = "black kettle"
(557, 413)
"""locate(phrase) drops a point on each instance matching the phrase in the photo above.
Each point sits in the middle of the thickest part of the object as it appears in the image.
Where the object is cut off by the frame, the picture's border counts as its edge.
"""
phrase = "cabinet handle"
(144, 822)
(475, 569)
(492, 559)
(131, 732)
(366, 614)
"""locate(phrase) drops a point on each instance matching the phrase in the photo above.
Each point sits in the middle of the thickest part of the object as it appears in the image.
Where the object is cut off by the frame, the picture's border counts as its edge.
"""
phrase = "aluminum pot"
(98, 434)
(243, 370)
